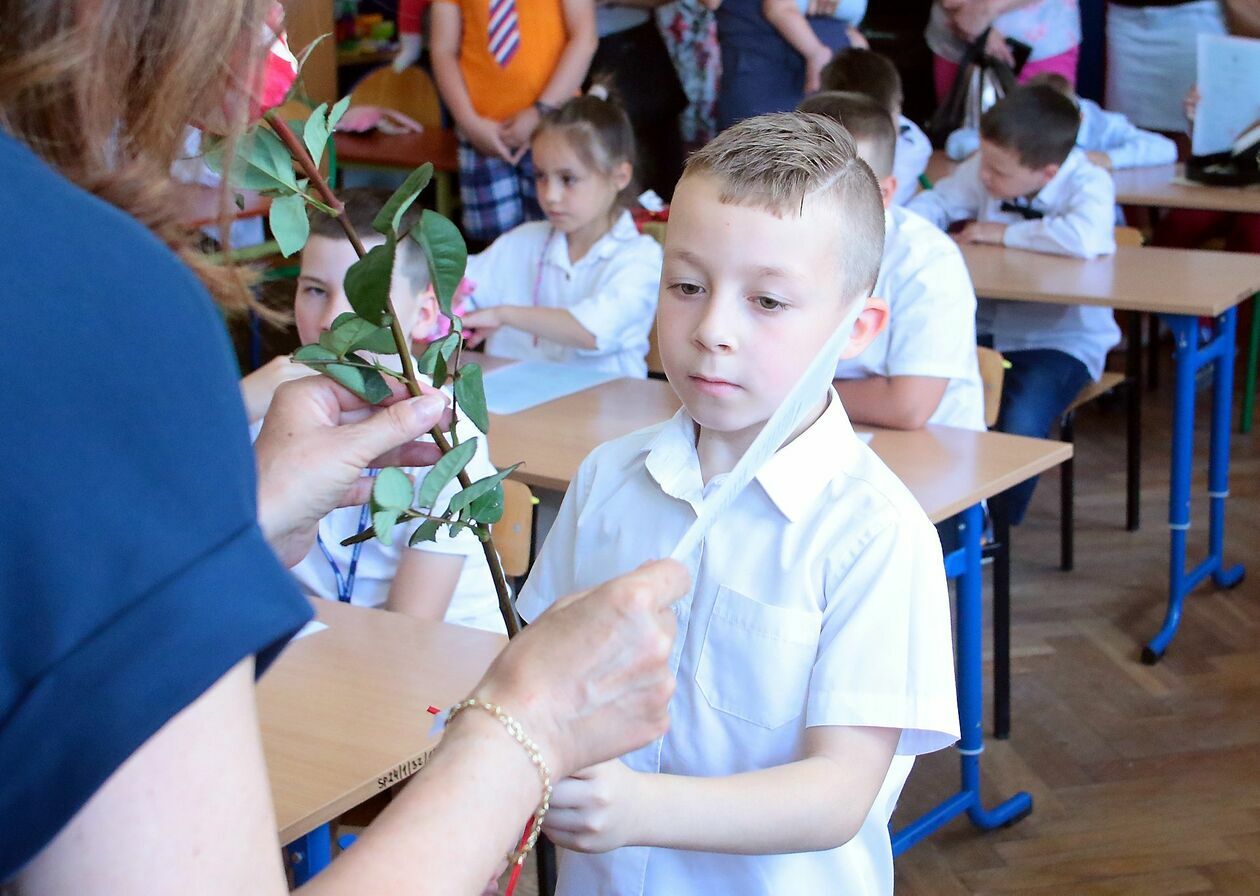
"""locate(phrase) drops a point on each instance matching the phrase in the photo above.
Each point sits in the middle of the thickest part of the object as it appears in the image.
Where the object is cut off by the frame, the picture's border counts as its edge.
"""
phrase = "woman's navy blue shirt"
(134, 574)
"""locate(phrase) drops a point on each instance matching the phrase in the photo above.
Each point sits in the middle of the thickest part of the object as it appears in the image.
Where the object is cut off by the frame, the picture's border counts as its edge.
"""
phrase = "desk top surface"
(1164, 186)
(344, 710)
(1136, 278)
(946, 469)
(399, 150)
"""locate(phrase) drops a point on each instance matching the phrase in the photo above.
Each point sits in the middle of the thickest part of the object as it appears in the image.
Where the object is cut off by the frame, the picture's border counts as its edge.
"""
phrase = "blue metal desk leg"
(964, 564)
(1189, 358)
(310, 854)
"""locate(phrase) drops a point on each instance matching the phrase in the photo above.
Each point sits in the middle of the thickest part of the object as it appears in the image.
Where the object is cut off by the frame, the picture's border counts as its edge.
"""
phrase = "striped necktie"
(504, 31)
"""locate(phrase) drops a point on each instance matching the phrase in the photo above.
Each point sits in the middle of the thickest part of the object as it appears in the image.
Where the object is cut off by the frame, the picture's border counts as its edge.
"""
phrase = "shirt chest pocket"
(756, 659)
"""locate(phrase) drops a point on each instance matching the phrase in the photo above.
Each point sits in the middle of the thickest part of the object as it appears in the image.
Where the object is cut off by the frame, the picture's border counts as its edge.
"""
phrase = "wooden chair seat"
(1108, 382)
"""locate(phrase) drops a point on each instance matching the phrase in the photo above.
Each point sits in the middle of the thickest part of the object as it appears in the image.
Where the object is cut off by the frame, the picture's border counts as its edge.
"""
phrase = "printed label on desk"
(403, 771)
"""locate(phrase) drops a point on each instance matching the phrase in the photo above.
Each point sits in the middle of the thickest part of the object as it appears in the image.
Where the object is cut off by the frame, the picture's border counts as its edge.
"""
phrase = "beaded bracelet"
(517, 856)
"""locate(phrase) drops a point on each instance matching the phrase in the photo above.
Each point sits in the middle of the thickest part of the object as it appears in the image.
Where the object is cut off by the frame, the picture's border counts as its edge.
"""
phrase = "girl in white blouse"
(579, 287)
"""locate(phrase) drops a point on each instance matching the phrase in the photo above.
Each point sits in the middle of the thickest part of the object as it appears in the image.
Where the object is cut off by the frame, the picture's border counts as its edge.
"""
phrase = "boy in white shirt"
(444, 579)
(922, 368)
(1030, 188)
(873, 74)
(814, 655)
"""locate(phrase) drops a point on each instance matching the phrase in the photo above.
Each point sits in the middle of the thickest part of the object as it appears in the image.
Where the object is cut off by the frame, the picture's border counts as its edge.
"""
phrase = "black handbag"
(1238, 166)
(981, 81)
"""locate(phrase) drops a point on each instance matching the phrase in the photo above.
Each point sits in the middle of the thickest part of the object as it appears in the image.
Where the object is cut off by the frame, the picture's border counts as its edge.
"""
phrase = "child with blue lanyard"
(445, 579)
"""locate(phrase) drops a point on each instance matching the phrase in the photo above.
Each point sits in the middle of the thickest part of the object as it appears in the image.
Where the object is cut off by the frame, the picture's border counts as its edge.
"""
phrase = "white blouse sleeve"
(620, 312)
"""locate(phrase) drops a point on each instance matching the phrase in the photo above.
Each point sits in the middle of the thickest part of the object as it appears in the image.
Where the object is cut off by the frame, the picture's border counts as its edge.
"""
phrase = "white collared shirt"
(474, 602)
(1078, 205)
(1127, 145)
(611, 291)
(818, 599)
(931, 322)
(910, 159)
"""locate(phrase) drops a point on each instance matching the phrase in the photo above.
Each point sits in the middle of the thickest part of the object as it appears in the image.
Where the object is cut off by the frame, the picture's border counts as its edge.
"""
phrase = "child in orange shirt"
(499, 66)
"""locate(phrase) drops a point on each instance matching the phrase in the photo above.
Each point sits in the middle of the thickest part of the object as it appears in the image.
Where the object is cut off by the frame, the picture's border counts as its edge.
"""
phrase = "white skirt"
(1151, 59)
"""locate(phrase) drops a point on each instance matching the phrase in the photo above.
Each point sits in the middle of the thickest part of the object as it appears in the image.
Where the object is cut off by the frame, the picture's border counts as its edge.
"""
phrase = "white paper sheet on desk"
(309, 629)
(519, 387)
(1229, 90)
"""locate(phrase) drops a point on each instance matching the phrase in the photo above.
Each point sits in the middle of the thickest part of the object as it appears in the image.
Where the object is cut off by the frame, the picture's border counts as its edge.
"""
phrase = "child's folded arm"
(818, 802)
(896, 402)
(1076, 234)
(954, 198)
(1131, 147)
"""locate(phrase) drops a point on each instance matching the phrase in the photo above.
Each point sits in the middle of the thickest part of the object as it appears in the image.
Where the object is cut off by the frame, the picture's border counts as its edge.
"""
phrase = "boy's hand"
(593, 811)
(857, 39)
(519, 130)
(990, 232)
(487, 137)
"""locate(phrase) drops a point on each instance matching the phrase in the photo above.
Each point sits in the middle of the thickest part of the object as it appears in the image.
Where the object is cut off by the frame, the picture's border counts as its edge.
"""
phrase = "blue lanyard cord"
(345, 585)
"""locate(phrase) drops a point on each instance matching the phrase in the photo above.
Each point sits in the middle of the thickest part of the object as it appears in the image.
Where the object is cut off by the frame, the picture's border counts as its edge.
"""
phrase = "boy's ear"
(888, 189)
(426, 316)
(622, 174)
(1049, 172)
(870, 322)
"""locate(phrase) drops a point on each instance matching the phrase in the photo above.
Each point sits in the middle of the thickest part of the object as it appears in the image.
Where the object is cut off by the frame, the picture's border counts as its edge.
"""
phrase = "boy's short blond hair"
(777, 161)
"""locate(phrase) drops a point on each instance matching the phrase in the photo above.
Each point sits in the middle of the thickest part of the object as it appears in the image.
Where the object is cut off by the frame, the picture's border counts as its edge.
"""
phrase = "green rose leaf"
(479, 489)
(392, 490)
(445, 347)
(289, 224)
(366, 383)
(439, 371)
(316, 356)
(351, 333)
(446, 254)
(488, 509)
(315, 132)
(445, 470)
(391, 213)
(383, 522)
(252, 167)
(338, 110)
(367, 282)
(470, 393)
(427, 531)
(458, 526)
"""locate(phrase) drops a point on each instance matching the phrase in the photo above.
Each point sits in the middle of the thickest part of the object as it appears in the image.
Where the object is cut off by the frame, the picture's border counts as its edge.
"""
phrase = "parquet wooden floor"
(1145, 780)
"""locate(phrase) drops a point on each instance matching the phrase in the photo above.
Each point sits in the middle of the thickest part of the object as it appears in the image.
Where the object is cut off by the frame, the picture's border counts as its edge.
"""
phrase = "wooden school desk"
(1165, 186)
(344, 714)
(1180, 285)
(948, 470)
(405, 152)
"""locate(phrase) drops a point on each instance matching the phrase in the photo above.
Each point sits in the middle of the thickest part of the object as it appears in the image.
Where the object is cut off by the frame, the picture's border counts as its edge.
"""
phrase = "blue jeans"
(1037, 389)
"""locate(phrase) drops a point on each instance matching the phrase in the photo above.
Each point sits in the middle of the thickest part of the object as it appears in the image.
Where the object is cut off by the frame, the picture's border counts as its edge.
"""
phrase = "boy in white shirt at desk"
(446, 579)
(922, 368)
(1030, 188)
(813, 659)
(873, 74)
